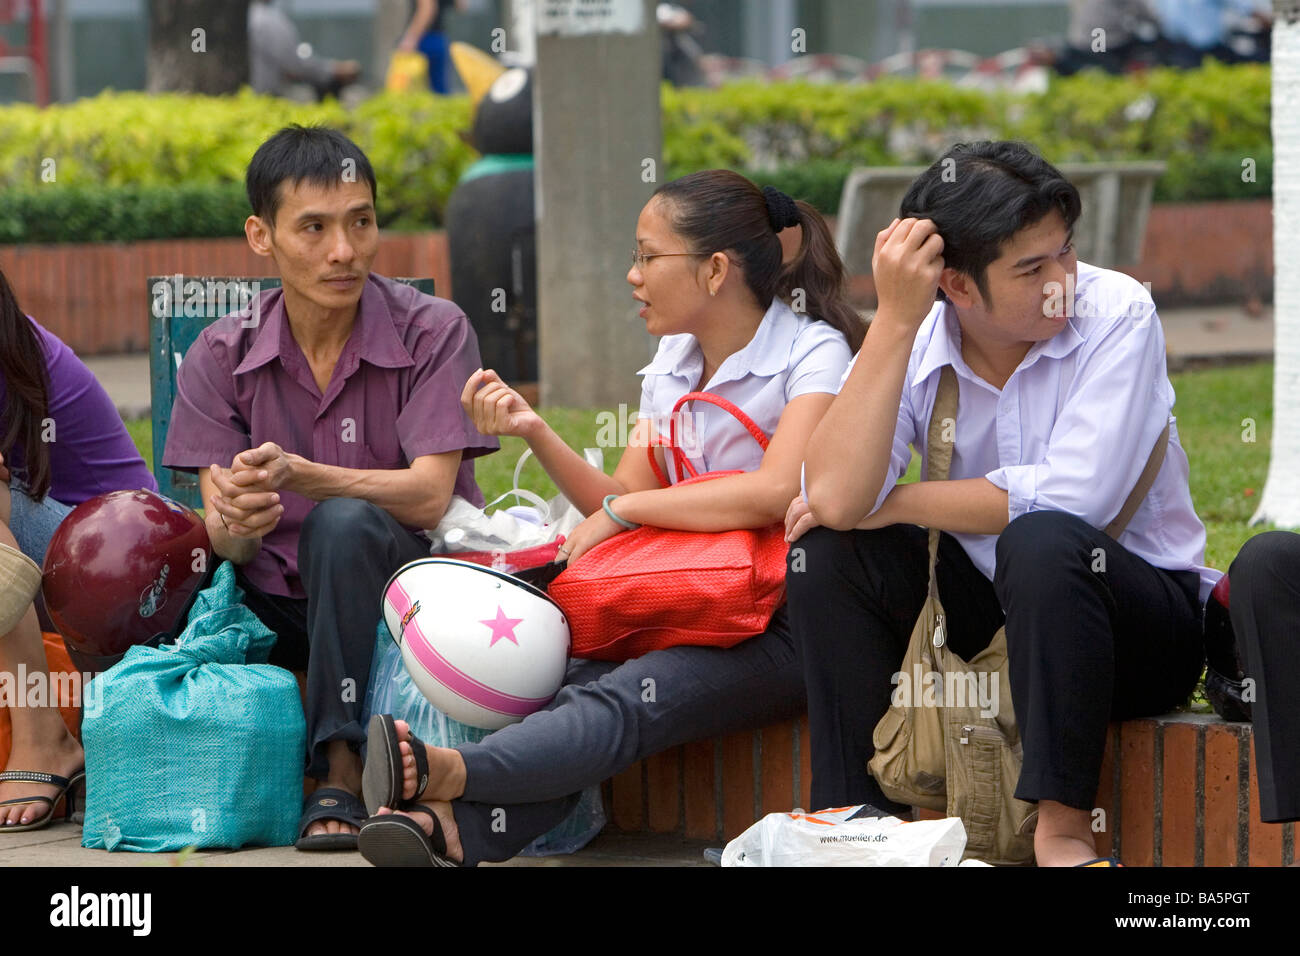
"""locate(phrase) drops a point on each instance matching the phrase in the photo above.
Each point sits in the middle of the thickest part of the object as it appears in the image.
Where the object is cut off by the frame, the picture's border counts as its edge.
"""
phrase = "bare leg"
(1064, 835)
(41, 741)
(345, 774)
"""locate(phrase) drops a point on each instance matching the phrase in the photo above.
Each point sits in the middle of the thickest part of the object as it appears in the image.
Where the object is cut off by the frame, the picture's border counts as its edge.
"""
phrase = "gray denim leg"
(610, 716)
(33, 523)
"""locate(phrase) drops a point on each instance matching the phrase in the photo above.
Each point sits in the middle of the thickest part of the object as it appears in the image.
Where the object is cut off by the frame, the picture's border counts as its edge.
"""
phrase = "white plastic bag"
(830, 838)
(465, 527)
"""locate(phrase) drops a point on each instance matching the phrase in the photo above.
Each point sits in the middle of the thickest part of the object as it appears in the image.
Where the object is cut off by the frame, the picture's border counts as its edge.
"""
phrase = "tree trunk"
(1280, 502)
(198, 46)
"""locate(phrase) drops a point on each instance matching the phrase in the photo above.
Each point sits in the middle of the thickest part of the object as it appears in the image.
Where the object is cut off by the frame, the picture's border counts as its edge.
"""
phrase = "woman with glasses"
(771, 336)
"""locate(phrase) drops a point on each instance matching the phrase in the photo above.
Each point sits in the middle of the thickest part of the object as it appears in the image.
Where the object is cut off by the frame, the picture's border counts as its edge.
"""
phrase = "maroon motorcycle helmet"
(123, 569)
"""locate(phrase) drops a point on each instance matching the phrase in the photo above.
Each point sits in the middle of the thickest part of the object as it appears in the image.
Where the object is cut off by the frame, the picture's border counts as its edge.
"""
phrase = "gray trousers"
(525, 778)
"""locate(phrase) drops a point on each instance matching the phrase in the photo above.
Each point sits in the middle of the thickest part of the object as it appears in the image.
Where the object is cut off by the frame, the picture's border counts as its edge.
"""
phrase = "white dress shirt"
(790, 355)
(1072, 428)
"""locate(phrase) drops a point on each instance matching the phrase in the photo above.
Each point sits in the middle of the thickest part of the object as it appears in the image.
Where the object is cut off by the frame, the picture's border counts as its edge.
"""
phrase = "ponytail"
(817, 269)
(27, 390)
(719, 210)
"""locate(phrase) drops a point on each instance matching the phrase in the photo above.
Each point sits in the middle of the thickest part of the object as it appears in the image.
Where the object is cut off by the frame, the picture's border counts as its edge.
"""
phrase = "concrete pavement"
(60, 845)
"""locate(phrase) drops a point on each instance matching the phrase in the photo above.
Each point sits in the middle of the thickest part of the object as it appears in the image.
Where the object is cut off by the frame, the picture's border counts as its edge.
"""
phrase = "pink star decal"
(503, 626)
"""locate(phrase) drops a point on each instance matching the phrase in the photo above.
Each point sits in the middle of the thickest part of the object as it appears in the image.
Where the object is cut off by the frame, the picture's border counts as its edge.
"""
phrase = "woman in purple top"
(61, 442)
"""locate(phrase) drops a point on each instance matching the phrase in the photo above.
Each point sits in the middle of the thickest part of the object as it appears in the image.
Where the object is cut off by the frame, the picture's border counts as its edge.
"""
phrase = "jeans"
(525, 778)
(33, 524)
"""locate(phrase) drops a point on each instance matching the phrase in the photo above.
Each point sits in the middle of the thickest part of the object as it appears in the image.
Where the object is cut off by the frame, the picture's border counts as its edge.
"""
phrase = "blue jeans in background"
(435, 47)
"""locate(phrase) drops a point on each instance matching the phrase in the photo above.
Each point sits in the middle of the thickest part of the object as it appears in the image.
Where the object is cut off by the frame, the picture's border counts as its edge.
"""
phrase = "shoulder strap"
(938, 453)
(1144, 482)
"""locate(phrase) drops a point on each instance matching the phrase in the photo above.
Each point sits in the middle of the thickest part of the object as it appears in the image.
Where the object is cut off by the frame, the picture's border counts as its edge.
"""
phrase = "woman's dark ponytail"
(27, 391)
(816, 269)
(717, 210)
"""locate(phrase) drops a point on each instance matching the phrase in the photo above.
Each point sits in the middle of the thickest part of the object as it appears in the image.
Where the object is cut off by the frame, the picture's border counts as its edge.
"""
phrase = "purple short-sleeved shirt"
(394, 396)
(91, 452)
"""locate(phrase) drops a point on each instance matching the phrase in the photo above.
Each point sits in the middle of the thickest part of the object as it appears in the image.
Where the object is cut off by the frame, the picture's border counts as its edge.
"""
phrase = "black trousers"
(347, 551)
(1265, 612)
(1085, 646)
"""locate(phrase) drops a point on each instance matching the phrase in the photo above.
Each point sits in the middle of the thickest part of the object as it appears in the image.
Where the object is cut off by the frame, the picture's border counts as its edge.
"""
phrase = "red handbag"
(652, 588)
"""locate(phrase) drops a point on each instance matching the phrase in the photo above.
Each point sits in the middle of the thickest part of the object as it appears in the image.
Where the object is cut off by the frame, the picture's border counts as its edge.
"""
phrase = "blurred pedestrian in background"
(278, 59)
(425, 34)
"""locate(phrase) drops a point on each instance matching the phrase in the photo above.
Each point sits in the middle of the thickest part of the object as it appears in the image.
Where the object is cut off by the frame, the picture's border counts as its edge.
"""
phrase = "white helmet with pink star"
(485, 648)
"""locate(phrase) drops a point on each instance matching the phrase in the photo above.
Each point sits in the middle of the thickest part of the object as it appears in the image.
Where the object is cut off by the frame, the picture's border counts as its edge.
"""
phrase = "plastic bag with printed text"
(834, 838)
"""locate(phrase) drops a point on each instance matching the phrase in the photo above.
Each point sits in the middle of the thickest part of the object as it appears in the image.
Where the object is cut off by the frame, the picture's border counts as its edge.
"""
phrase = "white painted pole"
(1280, 502)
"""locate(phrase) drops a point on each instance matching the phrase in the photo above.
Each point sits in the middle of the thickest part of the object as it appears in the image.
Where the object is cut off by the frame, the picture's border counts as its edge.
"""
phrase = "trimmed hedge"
(123, 213)
(177, 141)
(133, 166)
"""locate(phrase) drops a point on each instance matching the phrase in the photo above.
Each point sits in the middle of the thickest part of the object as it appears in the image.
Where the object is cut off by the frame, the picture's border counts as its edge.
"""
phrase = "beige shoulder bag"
(942, 752)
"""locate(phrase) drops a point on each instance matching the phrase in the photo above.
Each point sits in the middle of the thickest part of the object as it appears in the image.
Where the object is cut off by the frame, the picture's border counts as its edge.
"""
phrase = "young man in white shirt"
(1063, 393)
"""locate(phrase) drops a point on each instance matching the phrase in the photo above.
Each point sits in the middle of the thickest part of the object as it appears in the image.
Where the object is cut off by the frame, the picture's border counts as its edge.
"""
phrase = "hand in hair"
(906, 266)
(497, 409)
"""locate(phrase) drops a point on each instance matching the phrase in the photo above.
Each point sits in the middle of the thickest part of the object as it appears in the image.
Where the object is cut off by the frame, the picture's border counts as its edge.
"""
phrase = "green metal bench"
(179, 311)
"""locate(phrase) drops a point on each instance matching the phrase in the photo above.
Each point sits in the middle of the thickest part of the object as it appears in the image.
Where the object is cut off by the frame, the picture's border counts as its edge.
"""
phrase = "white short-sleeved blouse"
(790, 355)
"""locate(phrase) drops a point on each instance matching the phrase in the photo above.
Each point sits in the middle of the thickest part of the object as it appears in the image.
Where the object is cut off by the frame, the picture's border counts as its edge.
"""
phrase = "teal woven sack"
(198, 743)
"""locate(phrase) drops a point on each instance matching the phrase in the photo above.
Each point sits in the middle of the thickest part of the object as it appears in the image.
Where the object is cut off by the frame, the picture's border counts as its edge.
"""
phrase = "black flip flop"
(395, 840)
(330, 803)
(381, 777)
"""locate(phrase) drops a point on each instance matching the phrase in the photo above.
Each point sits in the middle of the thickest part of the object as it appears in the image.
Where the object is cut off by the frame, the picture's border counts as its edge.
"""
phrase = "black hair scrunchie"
(781, 210)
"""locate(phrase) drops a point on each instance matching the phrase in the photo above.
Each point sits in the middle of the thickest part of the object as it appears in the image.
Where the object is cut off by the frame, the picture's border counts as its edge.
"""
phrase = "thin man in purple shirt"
(336, 403)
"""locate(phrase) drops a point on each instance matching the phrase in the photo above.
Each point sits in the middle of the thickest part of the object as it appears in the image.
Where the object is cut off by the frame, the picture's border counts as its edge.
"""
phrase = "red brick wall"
(1174, 791)
(93, 295)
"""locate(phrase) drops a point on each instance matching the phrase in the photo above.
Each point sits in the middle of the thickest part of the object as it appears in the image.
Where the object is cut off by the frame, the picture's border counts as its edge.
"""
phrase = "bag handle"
(522, 494)
(682, 463)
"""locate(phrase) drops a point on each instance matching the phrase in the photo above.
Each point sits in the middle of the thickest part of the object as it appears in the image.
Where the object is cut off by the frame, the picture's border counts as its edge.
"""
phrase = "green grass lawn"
(1227, 469)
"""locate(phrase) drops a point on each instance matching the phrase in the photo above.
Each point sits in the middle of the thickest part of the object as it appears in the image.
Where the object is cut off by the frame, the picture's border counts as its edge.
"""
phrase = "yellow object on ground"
(407, 72)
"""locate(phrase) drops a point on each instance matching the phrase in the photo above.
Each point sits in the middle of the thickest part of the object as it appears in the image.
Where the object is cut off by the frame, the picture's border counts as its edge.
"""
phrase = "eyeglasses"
(639, 258)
